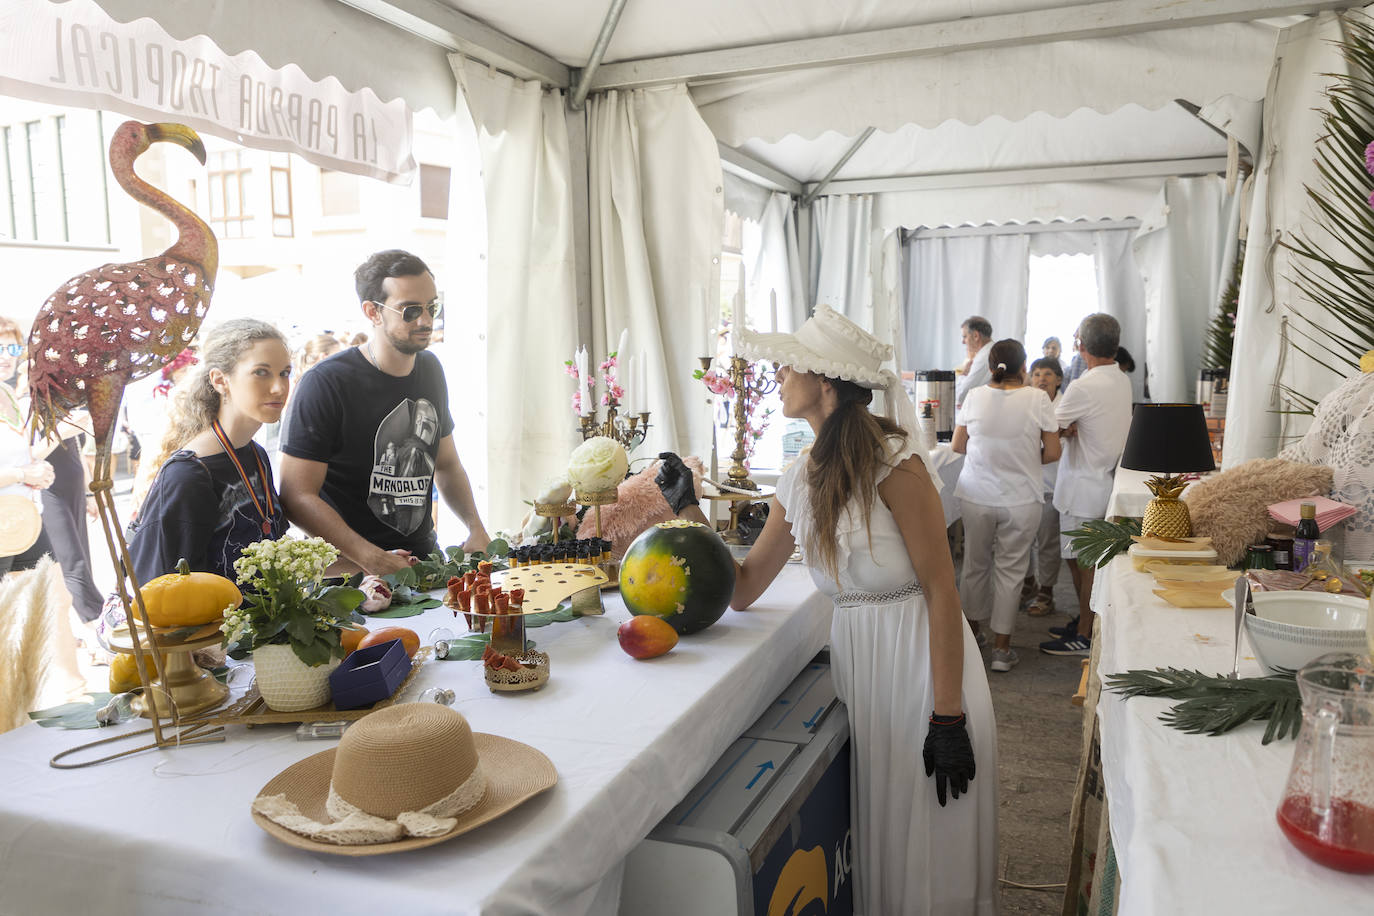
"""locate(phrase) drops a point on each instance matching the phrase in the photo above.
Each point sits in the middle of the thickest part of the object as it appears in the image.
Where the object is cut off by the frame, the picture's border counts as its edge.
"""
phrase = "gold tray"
(250, 709)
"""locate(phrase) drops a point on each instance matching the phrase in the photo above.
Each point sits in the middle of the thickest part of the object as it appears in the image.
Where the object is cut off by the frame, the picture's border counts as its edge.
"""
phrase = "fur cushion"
(1232, 508)
(639, 505)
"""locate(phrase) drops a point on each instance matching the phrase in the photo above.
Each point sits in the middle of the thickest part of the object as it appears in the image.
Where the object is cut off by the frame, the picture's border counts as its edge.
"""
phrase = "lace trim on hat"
(352, 826)
(809, 361)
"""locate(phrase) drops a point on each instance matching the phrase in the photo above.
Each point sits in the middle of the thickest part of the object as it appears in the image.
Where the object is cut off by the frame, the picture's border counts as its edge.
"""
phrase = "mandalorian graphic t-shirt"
(380, 435)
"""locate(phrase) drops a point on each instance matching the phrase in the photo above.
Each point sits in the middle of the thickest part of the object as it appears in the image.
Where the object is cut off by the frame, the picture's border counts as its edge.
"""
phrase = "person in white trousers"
(1008, 431)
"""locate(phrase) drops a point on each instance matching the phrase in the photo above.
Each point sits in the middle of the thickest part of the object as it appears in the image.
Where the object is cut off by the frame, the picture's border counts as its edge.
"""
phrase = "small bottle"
(1305, 539)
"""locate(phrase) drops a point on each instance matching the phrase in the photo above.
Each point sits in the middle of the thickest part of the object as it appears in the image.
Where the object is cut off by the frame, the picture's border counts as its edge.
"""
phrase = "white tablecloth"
(1129, 496)
(947, 464)
(1192, 816)
(170, 831)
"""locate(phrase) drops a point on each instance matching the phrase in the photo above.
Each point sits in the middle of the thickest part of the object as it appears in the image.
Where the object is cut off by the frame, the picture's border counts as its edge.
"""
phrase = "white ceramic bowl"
(1290, 629)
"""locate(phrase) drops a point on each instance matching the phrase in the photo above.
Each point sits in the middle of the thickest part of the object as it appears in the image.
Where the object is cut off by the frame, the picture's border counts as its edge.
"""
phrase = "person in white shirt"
(976, 335)
(1043, 574)
(1008, 430)
(1094, 417)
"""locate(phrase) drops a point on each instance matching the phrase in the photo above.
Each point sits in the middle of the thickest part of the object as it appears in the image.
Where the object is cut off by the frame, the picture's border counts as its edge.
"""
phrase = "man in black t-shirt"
(369, 433)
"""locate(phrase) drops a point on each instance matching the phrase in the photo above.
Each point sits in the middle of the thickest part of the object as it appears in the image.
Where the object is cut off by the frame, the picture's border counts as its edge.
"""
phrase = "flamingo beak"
(179, 134)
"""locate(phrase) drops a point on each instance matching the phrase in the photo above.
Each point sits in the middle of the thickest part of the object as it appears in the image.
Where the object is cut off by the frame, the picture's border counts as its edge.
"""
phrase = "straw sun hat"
(404, 777)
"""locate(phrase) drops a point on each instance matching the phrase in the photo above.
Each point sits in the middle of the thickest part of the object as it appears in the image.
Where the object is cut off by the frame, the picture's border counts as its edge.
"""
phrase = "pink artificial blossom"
(1369, 158)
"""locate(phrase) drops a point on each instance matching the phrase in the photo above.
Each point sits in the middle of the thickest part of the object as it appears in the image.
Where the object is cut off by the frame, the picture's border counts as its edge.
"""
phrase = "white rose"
(597, 464)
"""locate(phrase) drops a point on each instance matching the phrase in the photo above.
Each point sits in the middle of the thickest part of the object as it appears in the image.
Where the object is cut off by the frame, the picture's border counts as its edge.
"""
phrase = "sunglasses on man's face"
(12, 349)
(412, 312)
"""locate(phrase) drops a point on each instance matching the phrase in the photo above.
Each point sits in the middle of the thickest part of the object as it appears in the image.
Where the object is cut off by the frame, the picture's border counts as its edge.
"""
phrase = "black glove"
(674, 480)
(949, 756)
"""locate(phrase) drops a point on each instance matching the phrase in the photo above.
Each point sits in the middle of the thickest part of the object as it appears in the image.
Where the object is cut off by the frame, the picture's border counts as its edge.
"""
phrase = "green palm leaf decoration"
(1097, 542)
(1213, 704)
(1334, 266)
(1221, 333)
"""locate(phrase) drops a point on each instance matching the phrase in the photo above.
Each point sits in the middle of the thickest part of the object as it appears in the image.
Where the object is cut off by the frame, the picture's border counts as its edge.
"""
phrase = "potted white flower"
(290, 621)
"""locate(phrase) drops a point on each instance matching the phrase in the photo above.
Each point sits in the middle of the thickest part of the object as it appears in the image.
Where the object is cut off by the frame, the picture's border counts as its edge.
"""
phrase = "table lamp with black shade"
(1169, 440)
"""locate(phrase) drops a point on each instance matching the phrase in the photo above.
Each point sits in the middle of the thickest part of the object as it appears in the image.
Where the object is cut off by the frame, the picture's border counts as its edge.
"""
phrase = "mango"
(646, 637)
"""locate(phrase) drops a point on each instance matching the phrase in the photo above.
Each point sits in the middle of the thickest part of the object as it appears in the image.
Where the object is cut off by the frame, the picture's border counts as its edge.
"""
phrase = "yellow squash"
(188, 599)
(124, 672)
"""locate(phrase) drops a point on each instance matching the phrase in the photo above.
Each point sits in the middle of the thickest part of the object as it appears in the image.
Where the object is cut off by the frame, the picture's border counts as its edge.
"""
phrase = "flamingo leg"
(105, 395)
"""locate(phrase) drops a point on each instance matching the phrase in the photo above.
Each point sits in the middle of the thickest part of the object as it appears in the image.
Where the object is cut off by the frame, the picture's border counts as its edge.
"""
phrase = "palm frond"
(1097, 542)
(1213, 704)
(1333, 266)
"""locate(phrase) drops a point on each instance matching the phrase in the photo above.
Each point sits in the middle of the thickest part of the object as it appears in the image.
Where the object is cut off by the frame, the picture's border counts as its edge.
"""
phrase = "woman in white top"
(863, 508)
(1046, 374)
(1008, 431)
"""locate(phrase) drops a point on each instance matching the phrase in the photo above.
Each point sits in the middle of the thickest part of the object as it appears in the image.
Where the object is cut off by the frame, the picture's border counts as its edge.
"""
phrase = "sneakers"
(983, 639)
(1068, 629)
(1003, 659)
(1067, 645)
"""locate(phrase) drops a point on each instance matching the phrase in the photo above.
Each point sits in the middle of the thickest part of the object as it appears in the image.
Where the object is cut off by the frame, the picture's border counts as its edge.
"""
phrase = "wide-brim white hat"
(828, 344)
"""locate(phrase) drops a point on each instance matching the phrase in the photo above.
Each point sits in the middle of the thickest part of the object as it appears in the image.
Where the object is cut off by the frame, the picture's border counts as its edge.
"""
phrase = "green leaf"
(409, 609)
(72, 715)
(401, 577)
(301, 630)
(455, 554)
(498, 548)
(467, 648)
(562, 614)
(339, 600)
(316, 653)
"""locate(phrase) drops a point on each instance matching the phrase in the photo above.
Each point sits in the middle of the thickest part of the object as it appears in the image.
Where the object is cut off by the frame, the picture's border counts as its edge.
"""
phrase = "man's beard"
(405, 344)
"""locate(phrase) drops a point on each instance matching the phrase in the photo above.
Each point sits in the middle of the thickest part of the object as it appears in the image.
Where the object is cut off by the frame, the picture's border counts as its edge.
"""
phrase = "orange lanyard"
(262, 475)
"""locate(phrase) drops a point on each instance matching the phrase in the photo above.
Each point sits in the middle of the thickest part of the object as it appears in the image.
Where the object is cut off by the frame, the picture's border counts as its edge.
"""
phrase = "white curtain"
(773, 267)
(1121, 294)
(531, 301)
(1264, 359)
(657, 210)
(950, 279)
(1185, 251)
(841, 245)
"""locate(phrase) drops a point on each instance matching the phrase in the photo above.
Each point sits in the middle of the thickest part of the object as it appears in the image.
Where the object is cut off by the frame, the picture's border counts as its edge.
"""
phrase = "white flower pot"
(288, 684)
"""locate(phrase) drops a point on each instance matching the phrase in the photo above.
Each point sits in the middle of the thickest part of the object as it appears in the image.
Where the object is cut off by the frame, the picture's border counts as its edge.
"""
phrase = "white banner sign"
(73, 53)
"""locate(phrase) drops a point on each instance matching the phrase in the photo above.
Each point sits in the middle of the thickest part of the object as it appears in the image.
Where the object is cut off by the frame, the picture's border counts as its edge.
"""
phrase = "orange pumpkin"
(410, 640)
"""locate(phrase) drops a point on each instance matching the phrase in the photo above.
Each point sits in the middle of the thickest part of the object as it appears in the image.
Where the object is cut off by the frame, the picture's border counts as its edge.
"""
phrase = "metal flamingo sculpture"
(115, 324)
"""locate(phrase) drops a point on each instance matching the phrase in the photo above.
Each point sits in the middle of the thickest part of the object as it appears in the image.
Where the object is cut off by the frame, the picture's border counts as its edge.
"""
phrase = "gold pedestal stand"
(557, 512)
(596, 499)
(190, 688)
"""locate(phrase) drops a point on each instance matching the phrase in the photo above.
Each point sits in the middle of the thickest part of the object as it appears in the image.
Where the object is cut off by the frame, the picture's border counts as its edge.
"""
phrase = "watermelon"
(679, 571)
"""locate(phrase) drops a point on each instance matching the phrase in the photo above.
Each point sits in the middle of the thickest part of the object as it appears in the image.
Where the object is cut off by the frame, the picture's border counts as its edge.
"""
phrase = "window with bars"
(52, 180)
(283, 219)
(229, 177)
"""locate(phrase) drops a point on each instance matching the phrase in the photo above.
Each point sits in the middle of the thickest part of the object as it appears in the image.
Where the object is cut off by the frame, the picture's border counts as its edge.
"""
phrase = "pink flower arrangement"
(719, 384)
(614, 393)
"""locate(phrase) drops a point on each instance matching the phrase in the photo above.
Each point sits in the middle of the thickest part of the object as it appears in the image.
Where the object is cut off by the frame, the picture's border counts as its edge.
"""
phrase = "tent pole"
(584, 79)
(820, 186)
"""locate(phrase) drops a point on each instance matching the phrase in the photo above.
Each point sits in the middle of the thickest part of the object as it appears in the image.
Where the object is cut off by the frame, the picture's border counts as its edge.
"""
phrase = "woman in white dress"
(864, 509)
(1008, 431)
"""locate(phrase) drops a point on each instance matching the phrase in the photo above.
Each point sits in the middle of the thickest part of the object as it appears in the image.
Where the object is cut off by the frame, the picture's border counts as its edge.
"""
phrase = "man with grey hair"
(976, 336)
(1094, 417)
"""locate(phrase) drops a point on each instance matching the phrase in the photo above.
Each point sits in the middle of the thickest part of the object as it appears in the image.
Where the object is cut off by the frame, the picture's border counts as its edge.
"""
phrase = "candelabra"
(628, 430)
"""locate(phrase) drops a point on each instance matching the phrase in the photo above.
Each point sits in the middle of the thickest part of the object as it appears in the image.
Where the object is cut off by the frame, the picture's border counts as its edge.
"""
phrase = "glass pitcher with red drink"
(1327, 810)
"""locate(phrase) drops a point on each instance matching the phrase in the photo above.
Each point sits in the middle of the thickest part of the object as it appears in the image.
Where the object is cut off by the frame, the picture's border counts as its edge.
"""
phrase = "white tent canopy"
(1027, 111)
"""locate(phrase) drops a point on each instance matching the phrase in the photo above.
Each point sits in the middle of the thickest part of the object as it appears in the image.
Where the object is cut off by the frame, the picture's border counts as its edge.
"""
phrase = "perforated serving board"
(547, 585)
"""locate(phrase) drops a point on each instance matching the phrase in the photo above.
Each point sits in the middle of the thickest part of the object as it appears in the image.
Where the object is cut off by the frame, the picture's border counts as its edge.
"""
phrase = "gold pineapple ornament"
(1166, 515)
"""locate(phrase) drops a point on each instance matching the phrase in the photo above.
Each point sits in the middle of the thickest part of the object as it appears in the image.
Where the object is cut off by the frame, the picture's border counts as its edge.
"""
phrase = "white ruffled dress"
(911, 856)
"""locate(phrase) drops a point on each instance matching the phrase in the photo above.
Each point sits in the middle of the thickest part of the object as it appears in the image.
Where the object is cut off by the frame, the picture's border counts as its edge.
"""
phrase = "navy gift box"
(369, 675)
